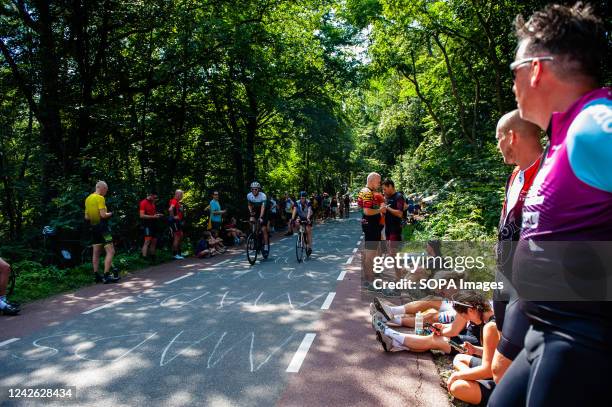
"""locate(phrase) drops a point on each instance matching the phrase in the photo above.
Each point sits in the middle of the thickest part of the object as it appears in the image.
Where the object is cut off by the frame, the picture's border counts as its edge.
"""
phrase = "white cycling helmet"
(255, 184)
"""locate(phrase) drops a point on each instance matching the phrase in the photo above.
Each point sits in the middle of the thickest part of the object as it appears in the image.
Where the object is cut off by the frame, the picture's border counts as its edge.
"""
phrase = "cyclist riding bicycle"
(258, 206)
(303, 211)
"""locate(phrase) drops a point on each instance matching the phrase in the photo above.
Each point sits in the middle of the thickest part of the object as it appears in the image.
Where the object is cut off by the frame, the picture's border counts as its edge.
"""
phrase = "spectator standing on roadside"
(149, 219)
(216, 213)
(97, 216)
(176, 221)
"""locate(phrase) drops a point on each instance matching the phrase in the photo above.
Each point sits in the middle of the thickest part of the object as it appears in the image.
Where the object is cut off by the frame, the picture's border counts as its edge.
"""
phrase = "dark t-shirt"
(393, 224)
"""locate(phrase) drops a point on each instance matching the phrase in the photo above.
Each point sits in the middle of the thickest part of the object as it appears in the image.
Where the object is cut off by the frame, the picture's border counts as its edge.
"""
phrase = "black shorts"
(371, 230)
(176, 226)
(216, 225)
(486, 389)
(150, 230)
(101, 234)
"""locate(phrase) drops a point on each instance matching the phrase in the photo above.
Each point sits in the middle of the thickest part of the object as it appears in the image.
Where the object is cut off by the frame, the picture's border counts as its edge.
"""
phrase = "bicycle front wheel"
(299, 247)
(251, 249)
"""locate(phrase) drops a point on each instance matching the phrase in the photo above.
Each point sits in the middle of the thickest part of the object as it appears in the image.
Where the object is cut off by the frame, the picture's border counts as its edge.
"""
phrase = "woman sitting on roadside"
(472, 381)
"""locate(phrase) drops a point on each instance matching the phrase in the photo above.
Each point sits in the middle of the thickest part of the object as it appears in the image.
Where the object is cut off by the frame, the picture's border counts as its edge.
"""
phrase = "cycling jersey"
(571, 199)
(177, 207)
(367, 199)
(301, 210)
(258, 200)
(93, 204)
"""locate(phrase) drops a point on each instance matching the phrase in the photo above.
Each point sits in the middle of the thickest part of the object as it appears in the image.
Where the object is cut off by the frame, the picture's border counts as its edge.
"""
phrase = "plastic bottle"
(418, 323)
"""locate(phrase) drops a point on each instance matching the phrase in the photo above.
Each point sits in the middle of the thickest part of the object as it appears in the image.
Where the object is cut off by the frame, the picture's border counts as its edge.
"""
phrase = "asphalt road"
(224, 334)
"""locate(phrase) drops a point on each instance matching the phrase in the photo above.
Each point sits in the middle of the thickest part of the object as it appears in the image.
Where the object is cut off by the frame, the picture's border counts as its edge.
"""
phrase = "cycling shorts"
(176, 227)
(101, 234)
(371, 230)
(150, 230)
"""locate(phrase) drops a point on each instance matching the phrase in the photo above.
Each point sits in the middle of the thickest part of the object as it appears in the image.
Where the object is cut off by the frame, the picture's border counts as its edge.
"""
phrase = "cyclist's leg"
(95, 257)
(5, 271)
(146, 245)
(108, 259)
(264, 229)
(153, 246)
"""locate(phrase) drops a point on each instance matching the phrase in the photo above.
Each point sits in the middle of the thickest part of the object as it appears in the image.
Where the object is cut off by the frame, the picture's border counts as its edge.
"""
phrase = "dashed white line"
(207, 269)
(186, 266)
(8, 341)
(341, 275)
(300, 355)
(223, 262)
(328, 300)
(179, 278)
(350, 260)
(355, 250)
(110, 304)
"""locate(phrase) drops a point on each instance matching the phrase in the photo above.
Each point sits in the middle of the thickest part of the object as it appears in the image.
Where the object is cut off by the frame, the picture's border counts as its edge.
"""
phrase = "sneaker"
(98, 278)
(385, 310)
(375, 311)
(264, 253)
(116, 272)
(110, 279)
(378, 323)
(379, 327)
(308, 251)
(8, 308)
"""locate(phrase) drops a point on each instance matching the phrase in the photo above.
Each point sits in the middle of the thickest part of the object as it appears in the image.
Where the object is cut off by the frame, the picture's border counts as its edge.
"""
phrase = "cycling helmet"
(255, 184)
(303, 194)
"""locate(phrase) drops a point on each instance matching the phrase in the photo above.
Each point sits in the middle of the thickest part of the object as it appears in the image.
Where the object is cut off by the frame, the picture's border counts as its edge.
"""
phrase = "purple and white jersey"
(571, 197)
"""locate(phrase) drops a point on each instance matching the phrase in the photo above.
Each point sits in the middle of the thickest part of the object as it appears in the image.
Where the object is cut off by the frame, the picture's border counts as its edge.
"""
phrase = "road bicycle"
(255, 243)
(300, 243)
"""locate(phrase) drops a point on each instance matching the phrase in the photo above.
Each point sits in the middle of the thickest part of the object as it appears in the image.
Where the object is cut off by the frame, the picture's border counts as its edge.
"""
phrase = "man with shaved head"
(97, 216)
(519, 143)
(371, 212)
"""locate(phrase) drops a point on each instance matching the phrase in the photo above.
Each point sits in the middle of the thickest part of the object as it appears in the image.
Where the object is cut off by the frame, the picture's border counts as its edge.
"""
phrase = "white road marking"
(355, 250)
(350, 260)
(341, 276)
(300, 355)
(8, 341)
(180, 278)
(207, 269)
(188, 266)
(223, 262)
(328, 300)
(110, 304)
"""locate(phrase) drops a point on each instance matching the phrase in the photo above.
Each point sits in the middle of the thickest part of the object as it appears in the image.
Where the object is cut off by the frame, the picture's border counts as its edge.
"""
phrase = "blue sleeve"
(589, 144)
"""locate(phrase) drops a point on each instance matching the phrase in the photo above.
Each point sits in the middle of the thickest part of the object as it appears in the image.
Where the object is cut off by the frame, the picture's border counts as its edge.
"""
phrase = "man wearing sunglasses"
(558, 65)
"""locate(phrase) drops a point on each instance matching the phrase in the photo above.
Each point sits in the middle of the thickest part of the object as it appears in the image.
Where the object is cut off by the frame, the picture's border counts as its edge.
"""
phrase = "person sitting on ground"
(5, 306)
(395, 341)
(215, 243)
(433, 310)
(202, 249)
(233, 232)
(472, 381)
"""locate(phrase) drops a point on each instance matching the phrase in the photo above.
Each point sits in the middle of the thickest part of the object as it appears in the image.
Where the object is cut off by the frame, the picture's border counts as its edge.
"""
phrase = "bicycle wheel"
(299, 247)
(10, 288)
(251, 249)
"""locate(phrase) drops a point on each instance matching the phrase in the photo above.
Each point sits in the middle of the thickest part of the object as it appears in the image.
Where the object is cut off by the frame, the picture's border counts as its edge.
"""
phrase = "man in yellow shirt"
(97, 216)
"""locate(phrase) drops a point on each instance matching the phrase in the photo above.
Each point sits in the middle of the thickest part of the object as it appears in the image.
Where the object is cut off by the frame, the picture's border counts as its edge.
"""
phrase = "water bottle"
(418, 323)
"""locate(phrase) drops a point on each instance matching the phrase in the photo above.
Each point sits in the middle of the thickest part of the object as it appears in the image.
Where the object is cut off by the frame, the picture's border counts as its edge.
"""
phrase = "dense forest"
(203, 95)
